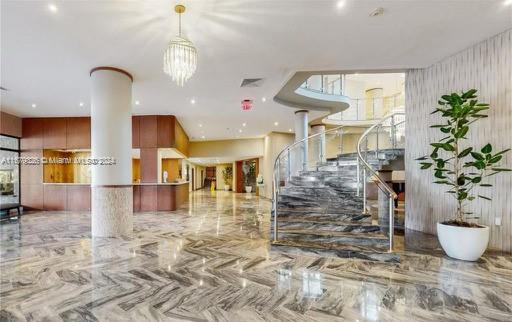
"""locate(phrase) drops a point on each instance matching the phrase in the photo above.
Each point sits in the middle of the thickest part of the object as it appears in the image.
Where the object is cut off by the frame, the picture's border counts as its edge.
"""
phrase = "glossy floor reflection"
(211, 261)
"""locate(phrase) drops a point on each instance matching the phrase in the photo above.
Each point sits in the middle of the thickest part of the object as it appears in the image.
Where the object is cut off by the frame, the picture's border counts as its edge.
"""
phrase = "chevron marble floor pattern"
(211, 261)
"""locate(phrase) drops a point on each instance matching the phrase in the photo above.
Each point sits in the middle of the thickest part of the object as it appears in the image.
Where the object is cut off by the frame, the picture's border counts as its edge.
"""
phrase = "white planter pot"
(463, 242)
(226, 188)
(248, 189)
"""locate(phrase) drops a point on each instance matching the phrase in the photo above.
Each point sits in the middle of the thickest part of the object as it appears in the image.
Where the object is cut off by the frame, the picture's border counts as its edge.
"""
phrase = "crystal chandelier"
(180, 58)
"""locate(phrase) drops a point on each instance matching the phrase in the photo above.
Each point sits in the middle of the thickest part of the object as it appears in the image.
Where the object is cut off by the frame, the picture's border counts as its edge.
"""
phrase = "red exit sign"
(246, 105)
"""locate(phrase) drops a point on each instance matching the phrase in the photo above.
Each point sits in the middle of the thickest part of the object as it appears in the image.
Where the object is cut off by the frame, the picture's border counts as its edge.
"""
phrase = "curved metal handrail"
(275, 174)
(379, 181)
(366, 164)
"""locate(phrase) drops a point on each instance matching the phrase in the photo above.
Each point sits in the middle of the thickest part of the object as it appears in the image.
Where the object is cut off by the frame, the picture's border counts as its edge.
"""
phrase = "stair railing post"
(393, 132)
(377, 144)
(364, 190)
(289, 165)
(358, 178)
(391, 221)
(276, 187)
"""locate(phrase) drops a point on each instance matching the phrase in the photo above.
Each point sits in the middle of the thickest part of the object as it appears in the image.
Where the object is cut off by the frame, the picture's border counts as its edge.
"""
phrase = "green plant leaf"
(462, 195)
(465, 152)
(501, 169)
(442, 182)
(495, 159)
(460, 133)
(502, 152)
(425, 165)
(421, 158)
(439, 174)
(437, 126)
(476, 179)
(445, 129)
(469, 94)
(446, 98)
(477, 156)
(487, 148)
(484, 197)
(485, 185)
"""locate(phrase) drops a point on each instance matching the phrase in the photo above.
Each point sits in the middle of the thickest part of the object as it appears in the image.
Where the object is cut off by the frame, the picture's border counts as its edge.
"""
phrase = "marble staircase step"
(376, 239)
(324, 225)
(306, 214)
(365, 253)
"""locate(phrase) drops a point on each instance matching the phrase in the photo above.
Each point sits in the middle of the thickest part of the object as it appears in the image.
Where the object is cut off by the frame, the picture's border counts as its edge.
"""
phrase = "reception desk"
(146, 196)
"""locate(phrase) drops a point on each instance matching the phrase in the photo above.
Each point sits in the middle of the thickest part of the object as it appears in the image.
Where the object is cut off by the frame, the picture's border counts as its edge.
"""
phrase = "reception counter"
(146, 196)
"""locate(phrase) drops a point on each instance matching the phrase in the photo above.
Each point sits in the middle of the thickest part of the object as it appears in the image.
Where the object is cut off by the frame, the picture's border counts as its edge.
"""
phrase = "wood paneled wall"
(10, 125)
(487, 67)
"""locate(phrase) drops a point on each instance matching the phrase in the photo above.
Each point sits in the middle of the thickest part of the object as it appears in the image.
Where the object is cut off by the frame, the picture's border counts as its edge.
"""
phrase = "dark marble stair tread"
(369, 253)
(376, 236)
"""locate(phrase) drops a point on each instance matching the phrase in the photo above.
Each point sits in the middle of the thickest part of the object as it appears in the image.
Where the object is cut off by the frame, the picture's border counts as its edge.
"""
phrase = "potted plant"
(227, 175)
(249, 170)
(463, 169)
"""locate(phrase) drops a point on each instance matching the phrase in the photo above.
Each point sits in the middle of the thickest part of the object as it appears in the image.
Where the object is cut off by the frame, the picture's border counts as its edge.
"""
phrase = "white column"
(300, 153)
(318, 142)
(111, 137)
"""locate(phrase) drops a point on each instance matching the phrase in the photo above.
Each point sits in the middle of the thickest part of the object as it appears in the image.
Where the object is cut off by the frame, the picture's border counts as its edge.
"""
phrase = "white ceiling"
(46, 57)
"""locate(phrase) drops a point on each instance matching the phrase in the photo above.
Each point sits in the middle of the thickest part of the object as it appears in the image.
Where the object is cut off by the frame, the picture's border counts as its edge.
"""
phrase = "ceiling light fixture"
(137, 103)
(192, 101)
(81, 104)
(276, 123)
(203, 137)
(180, 58)
(289, 130)
(240, 131)
(34, 105)
(340, 4)
(200, 125)
(263, 99)
(507, 2)
(53, 8)
(244, 124)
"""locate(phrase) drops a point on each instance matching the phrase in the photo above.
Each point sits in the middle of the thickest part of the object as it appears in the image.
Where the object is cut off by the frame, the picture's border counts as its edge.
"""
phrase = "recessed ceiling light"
(53, 8)
(203, 137)
(244, 124)
(507, 2)
(263, 99)
(240, 131)
(81, 103)
(289, 130)
(340, 4)
(137, 103)
(276, 123)
(192, 101)
(200, 125)
(34, 105)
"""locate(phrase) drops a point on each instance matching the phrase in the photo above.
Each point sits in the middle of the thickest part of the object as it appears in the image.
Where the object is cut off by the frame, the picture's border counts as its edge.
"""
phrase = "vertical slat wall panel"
(487, 67)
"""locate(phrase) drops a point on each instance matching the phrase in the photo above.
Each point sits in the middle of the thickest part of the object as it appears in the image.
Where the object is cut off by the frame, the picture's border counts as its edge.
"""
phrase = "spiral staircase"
(320, 204)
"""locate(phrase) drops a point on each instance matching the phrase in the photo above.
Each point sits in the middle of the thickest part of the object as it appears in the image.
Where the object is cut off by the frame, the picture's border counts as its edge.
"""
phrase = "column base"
(112, 211)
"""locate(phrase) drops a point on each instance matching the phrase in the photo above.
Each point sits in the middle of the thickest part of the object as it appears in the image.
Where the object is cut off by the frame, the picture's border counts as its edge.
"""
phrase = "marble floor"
(211, 261)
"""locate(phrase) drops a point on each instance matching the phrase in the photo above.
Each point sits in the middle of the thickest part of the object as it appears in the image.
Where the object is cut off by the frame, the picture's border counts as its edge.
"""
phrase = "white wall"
(487, 67)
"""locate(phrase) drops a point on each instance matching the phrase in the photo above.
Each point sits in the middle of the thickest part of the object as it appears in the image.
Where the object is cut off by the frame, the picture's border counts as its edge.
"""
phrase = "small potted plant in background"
(249, 171)
(463, 169)
(227, 175)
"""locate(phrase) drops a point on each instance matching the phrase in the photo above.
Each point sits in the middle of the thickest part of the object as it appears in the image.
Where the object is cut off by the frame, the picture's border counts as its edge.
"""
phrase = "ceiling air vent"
(251, 82)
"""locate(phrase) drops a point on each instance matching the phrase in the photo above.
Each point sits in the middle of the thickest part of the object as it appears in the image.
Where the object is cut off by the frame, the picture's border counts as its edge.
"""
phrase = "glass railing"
(378, 143)
(366, 109)
(305, 155)
(333, 84)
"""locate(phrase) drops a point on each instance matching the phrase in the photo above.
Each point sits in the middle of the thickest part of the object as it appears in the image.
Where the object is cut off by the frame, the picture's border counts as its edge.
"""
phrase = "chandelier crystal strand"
(180, 58)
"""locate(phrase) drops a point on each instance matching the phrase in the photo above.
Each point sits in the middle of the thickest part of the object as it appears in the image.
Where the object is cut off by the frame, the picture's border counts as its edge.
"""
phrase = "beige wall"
(487, 67)
(235, 149)
(274, 143)
(220, 178)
